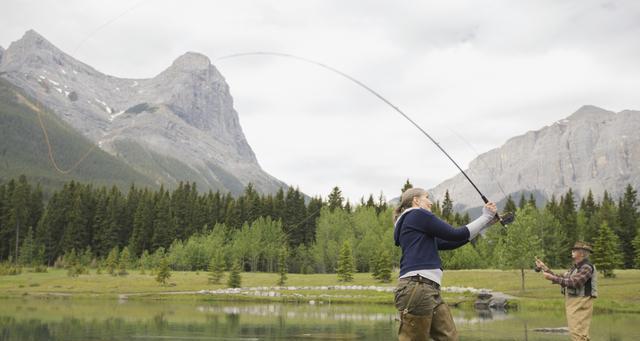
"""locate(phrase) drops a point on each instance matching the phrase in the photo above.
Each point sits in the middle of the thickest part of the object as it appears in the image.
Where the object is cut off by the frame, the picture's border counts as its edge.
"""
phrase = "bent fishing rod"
(504, 219)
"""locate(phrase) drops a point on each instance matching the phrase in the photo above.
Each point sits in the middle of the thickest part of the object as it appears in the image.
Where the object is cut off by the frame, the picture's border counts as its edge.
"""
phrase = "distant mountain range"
(591, 149)
(181, 126)
(177, 126)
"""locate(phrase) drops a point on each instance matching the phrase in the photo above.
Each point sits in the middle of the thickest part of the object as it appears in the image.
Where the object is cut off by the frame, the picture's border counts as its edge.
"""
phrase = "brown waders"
(579, 310)
(422, 311)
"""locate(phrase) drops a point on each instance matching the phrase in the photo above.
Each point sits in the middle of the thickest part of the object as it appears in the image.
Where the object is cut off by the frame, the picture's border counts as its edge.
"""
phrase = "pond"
(100, 319)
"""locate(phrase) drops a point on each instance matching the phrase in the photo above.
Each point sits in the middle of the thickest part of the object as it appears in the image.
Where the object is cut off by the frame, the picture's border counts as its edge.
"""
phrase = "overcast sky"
(472, 73)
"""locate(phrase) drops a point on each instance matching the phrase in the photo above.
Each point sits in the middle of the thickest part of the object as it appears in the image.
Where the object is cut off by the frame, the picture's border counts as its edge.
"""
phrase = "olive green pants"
(423, 313)
(579, 311)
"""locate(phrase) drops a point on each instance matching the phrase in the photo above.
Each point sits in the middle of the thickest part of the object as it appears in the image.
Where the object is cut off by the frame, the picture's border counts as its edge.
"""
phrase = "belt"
(420, 279)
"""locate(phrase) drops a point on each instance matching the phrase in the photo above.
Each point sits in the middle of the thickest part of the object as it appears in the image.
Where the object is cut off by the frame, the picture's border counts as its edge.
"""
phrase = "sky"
(473, 74)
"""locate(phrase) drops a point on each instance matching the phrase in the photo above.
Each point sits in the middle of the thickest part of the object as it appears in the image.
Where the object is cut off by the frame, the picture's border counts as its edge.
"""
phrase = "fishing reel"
(506, 219)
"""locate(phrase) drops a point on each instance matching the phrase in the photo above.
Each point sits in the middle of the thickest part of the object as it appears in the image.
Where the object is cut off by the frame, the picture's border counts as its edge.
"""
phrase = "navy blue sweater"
(421, 234)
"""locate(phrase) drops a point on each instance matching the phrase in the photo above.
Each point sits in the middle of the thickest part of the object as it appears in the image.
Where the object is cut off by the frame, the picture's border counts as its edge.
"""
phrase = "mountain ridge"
(185, 113)
(592, 148)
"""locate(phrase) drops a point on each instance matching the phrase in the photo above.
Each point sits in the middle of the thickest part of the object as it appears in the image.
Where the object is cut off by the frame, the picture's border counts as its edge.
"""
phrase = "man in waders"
(579, 286)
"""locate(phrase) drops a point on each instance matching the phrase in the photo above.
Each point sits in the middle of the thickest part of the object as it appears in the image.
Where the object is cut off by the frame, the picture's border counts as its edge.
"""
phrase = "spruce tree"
(510, 205)
(216, 267)
(235, 279)
(163, 227)
(125, 258)
(628, 220)
(143, 261)
(73, 265)
(346, 267)
(382, 203)
(636, 246)
(447, 208)
(163, 271)
(606, 251)
(111, 263)
(569, 219)
(282, 266)
(335, 199)
(384, 267)
(523, 202)
(28, 250)
(406, 186)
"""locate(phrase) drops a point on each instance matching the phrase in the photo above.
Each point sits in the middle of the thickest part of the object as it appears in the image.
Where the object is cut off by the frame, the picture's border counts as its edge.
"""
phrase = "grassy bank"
(620, 294)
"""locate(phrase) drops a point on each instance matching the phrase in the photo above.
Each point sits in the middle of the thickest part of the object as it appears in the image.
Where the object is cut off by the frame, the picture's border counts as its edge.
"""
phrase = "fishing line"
(503, 220)
(105, 24)
(491, 170)
(39, 113)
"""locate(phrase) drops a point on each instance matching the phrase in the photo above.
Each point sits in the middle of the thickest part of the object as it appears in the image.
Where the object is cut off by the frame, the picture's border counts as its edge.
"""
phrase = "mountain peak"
(33, 38)
(191, 61)
(589, 112)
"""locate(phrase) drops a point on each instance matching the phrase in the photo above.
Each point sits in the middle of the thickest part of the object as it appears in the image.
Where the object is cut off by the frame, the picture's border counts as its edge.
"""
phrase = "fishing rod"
(504, 219)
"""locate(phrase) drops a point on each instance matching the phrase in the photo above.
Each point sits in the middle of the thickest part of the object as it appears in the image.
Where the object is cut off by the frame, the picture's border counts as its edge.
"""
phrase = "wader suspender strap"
(587, 287)
(406, 309)
(413, 292)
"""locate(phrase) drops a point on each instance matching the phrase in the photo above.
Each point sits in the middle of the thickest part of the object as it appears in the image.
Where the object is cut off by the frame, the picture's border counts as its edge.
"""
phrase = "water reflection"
(33, 319)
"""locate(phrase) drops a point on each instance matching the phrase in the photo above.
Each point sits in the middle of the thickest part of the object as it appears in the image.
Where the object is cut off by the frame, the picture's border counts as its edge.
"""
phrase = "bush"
(8, 269)
(40, 268)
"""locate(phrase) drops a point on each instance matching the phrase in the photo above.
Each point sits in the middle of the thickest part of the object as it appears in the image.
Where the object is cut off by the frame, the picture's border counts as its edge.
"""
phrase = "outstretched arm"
(574, 281)
(448, 245)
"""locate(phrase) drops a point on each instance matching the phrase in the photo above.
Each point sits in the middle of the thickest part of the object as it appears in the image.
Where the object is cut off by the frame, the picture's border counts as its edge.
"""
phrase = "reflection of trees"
(159, 321)
(233, 320)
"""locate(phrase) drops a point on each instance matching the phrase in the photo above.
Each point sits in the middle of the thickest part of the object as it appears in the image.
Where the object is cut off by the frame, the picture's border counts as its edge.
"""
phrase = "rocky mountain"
(24, 149)
(177, 126)
(591, 149)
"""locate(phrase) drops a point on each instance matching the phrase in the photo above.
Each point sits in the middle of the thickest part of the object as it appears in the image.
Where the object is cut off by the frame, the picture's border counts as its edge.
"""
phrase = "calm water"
(60, 319)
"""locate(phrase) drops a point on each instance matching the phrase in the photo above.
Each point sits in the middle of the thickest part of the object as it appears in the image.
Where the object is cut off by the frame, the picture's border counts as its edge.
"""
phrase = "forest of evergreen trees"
(190, 229)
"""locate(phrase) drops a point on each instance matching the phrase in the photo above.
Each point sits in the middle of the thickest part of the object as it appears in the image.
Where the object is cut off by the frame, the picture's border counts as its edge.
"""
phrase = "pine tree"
(606, 251)
(406, 186)
(335, 199)
(382, 203)
(636, 246)
(346, 267)
(28, 250)
(111, 262)
(125, 258)
(447, 208)
(143, 218)
(569, 218)
(523, 202)
(282, 266)
(163, 228)
(510, 205)
(163, 271)
(532, 200)
(216, 267)
(628, 220)
(144, 259)
(383, 267)
(235, 279)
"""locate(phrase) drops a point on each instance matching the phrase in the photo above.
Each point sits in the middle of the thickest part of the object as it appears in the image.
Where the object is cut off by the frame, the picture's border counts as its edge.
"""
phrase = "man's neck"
(578, 262)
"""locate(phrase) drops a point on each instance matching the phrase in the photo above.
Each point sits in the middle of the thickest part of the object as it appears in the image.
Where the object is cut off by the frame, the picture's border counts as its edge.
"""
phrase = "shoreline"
(618, 295)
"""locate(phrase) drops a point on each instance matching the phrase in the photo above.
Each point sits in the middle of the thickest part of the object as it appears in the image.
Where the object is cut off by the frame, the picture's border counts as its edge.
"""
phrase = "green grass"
(618, 294)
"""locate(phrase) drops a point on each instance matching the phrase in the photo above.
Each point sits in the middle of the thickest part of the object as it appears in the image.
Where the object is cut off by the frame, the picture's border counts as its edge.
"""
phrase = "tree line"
(306, 235)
